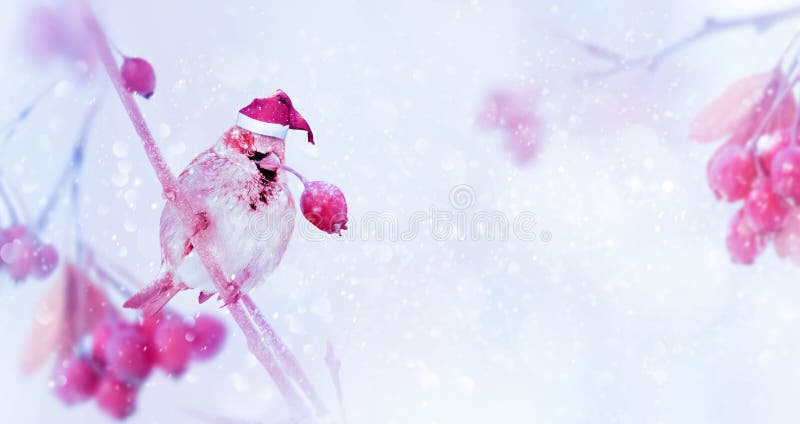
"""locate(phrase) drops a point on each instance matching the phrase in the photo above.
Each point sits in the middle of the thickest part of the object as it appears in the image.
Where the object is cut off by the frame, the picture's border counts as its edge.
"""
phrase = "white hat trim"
(263, 128)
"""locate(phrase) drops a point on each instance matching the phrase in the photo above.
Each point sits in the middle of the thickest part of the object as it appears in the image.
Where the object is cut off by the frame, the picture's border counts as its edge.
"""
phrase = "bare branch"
(620, 63)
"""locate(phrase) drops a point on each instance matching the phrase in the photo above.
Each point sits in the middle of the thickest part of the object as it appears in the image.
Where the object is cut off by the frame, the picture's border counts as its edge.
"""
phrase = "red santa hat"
(273, 116)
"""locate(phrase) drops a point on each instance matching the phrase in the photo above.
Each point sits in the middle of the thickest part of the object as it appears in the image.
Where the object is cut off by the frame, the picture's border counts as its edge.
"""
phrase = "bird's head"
(265, 151)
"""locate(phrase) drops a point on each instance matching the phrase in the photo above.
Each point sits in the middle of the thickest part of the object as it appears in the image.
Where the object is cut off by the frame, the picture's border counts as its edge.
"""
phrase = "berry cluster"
(124, 354)
(767, 179)
(22, 254)
(759, 162)
(514, 113)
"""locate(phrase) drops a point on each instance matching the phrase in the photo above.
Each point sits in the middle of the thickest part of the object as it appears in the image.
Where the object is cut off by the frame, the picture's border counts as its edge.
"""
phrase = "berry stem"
(288, 360)
(296, 174)
(232, 298)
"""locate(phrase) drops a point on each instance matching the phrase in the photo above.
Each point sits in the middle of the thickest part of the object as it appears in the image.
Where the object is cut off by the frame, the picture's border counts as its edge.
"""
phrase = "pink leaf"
(71, 309)
(722, 116)
(787, 241)
(47, 327)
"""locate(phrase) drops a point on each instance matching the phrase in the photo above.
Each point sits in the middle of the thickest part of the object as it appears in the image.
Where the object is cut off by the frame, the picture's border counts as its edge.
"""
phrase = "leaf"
(69, 311)
(47, 327)
(722, 116)
(787, 241)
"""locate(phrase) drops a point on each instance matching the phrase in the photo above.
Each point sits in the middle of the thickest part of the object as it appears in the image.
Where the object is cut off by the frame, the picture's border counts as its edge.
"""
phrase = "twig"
(10, 128)
(229, 293)
(71, 170)
(288, 360)
(620, 63)
(334, 366)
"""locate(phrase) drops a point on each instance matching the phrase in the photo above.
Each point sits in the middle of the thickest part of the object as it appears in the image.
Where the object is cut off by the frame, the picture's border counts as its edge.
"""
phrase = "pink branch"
(228, 292)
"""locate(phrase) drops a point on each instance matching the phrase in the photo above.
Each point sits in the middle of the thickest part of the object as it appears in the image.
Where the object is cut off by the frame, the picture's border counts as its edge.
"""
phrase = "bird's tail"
(153, 297)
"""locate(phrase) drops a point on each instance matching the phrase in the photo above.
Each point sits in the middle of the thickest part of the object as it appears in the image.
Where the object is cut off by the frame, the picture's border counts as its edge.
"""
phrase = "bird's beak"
(271, 162)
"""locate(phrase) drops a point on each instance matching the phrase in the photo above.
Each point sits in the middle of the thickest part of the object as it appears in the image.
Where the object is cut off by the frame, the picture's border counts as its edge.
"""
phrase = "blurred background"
(624, 308)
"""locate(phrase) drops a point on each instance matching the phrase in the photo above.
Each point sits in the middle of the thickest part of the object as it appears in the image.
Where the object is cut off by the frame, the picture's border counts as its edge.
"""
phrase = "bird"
(241, 202)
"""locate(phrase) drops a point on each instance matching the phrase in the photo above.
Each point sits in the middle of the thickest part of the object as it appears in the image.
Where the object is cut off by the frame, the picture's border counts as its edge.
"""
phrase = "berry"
(743, 242)
(172, 347)
(785, 173)
(100, 335)
(208, 336)
(324, 206)
(128, 353)
(45, 260)
(138, 76)
(769, 145)
(731, 173)
(18, 255)
(765, 210)
(76, 380)
(116, 398)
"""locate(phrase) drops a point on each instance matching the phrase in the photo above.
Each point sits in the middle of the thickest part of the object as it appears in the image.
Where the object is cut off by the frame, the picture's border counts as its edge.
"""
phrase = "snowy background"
(630, 313)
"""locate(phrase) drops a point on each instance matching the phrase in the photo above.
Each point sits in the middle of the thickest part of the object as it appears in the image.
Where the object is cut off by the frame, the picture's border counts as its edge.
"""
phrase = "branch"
(230, 295)
(621, 63)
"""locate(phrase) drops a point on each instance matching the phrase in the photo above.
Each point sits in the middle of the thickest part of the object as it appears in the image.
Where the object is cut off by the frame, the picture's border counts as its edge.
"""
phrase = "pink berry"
(172, 347)
(743, 242)
(209, 335)
(100, 335)
(45, 260)
(731, 173)
(76, 379)
(765, 210)
(139, 76)
(769, 145)
(116, 398)
(785, 173)
(17, 252)
(128, 353)
(324, 206)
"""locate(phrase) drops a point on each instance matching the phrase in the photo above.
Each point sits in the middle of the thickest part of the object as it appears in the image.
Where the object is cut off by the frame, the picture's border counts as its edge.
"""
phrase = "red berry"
(45, 260)
(138, 76)
(128, 353)
(209, 335)
(149, 323)
(116, 398)
(769, 145)
(17, 253)
(743, 242)
(324, 206)
(172, 347)
(765, 210)
(785, 173)
(731, 173)
(100, 335)
(76, 379)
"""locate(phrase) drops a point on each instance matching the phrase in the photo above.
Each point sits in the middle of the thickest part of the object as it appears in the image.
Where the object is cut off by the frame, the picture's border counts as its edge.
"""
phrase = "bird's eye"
(257, 156)
(282, 100)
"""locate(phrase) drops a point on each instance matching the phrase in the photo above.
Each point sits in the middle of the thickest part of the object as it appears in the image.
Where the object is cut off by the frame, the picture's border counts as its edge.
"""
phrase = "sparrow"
(241, 202)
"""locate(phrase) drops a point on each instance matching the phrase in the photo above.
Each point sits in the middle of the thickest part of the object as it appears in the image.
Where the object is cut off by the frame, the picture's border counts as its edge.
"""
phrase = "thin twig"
(621, 63)
(334, 366)
(230, 294)
(71, 170)
(287, 358)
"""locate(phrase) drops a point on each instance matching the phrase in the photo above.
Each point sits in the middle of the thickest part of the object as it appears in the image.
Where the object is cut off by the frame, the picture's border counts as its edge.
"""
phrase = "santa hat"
(273, 116)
